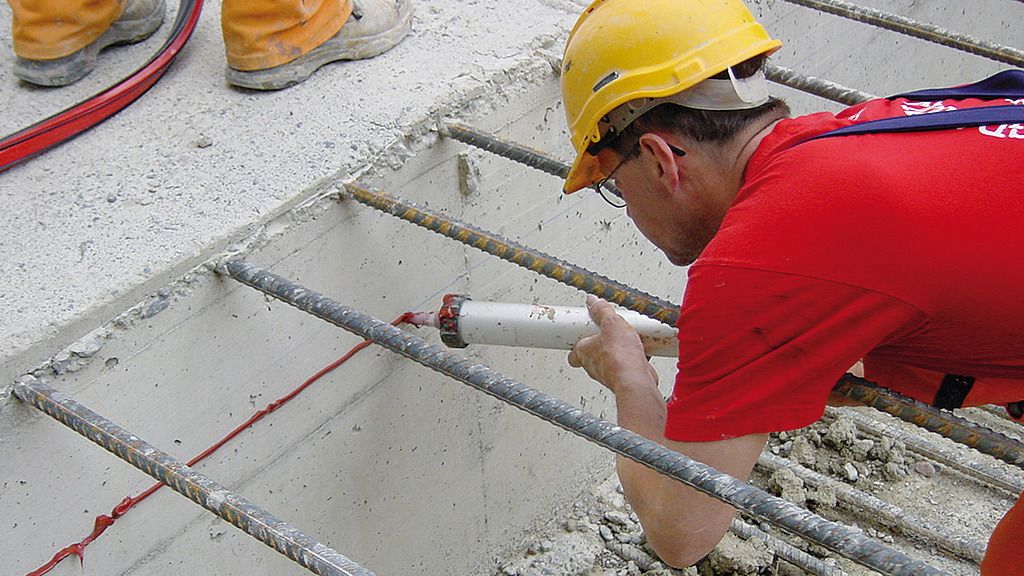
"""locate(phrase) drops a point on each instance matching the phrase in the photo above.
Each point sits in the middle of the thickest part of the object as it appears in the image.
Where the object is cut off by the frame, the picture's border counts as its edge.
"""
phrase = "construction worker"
(899, 248)
(270, 44)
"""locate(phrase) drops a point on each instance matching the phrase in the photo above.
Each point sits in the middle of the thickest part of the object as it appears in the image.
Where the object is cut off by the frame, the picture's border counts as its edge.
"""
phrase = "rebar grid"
(922, 30)
(231, 507)
(879, 510)
(845, 541)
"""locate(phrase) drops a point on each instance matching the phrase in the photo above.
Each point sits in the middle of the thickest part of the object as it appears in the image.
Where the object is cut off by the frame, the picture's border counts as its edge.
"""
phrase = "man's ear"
(663, 160)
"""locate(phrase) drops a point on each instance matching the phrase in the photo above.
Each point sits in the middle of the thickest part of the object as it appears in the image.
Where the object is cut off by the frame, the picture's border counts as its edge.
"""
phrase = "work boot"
(140, 19)
(374, 27)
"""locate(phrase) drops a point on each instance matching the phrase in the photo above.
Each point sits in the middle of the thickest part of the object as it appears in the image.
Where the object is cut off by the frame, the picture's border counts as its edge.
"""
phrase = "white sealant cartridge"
(463, 321)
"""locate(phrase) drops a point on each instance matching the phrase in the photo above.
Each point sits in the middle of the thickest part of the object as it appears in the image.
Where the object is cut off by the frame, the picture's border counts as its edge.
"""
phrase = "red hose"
(67, 124)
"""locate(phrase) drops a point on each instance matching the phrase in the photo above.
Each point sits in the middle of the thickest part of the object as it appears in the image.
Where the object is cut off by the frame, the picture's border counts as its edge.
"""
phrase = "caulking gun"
(463, 321)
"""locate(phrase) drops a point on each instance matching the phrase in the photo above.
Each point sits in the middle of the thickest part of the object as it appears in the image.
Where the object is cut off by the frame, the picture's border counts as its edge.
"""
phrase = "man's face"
(666, 210)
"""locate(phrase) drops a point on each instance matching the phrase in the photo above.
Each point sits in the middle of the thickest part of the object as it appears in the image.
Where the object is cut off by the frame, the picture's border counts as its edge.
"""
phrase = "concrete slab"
(135, 202)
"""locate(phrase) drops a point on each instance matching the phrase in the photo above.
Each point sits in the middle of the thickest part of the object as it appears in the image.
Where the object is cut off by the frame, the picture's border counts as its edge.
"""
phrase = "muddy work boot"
(140, 19)
(374, 27)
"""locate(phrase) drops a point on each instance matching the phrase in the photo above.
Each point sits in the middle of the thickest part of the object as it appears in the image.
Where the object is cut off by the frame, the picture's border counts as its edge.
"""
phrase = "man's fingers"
(580, 350)
(600, 310)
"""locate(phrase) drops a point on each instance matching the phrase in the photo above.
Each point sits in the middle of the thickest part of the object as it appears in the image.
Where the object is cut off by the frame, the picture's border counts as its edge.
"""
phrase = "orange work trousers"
(50, 29)
(258, 34)
(1003, 556)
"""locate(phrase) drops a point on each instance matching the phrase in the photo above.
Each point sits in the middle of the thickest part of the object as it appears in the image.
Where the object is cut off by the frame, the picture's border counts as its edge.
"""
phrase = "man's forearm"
(655, 498)
(681, 524)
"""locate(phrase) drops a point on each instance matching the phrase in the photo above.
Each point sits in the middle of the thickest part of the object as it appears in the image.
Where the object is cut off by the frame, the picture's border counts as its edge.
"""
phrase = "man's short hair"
(714, 126)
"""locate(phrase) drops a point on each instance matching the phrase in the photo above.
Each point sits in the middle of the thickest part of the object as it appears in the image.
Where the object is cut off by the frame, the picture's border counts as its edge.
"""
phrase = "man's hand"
(615, 353)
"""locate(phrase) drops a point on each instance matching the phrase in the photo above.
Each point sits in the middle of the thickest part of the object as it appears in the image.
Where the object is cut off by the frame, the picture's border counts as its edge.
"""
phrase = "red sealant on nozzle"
(423, 319)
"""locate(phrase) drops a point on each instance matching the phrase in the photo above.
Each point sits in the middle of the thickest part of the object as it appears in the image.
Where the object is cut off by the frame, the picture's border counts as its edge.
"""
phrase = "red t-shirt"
(906, 250)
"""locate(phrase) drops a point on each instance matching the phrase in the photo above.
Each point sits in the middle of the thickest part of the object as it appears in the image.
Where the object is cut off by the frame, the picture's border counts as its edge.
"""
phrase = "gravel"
(601, 536)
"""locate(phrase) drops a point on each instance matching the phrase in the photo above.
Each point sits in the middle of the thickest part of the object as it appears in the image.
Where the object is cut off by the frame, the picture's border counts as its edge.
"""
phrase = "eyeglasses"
(606, 186)
(608, 190)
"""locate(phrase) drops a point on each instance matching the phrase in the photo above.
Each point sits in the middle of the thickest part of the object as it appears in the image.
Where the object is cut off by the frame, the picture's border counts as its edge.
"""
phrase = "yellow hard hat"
(624, 50)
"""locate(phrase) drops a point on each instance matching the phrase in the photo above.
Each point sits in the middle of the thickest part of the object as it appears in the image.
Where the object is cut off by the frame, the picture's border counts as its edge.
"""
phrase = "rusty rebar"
(921, 30)
(947, 424)
(226, 504)
(850, 543)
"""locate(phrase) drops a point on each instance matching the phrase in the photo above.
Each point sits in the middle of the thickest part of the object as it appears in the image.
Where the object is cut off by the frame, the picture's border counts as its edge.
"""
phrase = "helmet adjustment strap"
(712, 94)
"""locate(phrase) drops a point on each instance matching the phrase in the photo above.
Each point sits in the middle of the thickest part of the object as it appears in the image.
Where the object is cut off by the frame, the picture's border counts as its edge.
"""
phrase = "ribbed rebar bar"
(517, 152)
(784, 549)
(523, 154)
(816, 86)
(879, 510)
(921, 446)
(642, 559)
(528, 258)
(226, 504)
(917, 29)
(841, 539)
(947, 424)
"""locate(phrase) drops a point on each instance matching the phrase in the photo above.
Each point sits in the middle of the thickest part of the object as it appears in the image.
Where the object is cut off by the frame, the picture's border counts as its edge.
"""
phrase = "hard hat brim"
(585, 171)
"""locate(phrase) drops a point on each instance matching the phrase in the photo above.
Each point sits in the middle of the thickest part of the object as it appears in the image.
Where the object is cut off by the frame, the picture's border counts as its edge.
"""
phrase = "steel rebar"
(531, 157)
(879, 510)
(922, 30)
(990, 475)
(638, 556)
(812, 85)
(949, 425)
(569, 274)
(226, 504)
(841, 539)
(784, 549)
(525, 155)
